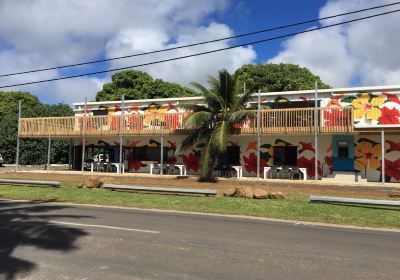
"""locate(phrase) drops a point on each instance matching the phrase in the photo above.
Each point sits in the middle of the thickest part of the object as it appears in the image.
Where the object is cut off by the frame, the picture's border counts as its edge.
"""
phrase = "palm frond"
(195, 108)
(210, 97)
(219, 136)
(198, 119)
(241, 115)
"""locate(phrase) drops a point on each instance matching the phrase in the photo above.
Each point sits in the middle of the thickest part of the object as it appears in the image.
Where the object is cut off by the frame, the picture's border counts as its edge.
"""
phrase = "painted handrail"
(272, 121)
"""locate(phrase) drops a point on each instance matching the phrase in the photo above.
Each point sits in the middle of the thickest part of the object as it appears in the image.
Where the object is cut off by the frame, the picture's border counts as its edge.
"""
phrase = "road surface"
(57, 241)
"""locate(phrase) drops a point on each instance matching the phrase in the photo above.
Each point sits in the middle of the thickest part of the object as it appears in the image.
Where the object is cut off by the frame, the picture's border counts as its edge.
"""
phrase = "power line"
(203, 53)
(200, 43)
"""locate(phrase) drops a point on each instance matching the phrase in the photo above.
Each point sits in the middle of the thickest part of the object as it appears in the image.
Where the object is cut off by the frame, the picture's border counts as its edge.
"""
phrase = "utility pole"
(316, 131)
(258, 134)
(121, 128)
(83, 136)
(19, 130)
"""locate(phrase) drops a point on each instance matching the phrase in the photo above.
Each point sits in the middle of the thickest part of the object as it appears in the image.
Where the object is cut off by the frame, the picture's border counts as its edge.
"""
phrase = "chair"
(296, 173)
(274, 172)
(157, 169)
(285, 173)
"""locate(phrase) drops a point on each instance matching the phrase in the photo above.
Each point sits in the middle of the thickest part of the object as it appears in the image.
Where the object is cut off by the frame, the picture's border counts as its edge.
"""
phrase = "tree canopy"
(276, 77)
(32, 151)
(214, 123)
(140, 85)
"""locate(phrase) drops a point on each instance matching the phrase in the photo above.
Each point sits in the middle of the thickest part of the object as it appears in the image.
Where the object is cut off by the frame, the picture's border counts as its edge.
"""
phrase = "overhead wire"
(201, 53)
(200, 43)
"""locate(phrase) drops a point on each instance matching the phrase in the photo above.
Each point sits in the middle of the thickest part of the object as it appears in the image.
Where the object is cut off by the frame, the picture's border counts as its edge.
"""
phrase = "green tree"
(213, 123)
(32, 151)
(276, 77)
(140, 85)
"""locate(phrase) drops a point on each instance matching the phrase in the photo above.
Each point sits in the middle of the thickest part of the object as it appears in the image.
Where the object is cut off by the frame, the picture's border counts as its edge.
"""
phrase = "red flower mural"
(191, 161)
(392, 168)
(335, 117)
(250, 163)
(389, 116)
(310, 165)
(134, 165)
(328, 161)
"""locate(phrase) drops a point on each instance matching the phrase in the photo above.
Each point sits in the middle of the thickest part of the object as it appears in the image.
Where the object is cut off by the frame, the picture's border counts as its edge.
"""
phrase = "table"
(239, 170)
(182, 169)
(302, 170)
(117, 165)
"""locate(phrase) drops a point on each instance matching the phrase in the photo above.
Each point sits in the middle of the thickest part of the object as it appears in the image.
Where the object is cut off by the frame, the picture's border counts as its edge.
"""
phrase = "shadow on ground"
(29, 224)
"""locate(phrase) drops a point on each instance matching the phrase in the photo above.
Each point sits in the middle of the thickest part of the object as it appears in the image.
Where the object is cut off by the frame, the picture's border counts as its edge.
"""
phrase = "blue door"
(343, 152)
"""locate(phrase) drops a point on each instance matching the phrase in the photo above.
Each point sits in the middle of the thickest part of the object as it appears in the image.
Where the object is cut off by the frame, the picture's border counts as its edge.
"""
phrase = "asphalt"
(57, 241)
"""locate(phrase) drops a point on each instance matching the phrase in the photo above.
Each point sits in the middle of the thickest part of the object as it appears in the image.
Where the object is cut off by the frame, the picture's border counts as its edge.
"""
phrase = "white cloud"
(362, 52)
(186, 70)
(41, 33)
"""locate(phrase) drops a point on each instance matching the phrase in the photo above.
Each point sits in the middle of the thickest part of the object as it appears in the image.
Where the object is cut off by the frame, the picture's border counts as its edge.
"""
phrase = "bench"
(205, 192)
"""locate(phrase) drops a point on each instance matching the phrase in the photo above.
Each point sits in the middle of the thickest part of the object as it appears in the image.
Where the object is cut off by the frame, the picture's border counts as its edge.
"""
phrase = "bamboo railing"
(272, 121)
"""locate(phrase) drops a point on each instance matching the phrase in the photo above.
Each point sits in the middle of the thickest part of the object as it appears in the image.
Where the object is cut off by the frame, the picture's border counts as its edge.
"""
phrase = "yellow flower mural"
(154, 115)
(367, 155)
(365, 105)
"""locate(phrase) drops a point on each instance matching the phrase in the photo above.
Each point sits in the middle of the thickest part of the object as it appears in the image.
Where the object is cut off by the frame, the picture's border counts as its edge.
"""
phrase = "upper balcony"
(272, 121)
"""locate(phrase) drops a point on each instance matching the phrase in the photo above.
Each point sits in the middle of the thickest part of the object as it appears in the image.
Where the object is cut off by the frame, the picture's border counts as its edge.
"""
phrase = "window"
(285, 155)
(230, 157)
(343, 149)
(148, 154)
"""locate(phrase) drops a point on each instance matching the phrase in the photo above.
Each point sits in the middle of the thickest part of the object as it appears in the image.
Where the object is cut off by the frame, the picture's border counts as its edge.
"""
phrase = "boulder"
(276, 195)
(229, 192)
(260, 193)
(245, 192)
(92, 182)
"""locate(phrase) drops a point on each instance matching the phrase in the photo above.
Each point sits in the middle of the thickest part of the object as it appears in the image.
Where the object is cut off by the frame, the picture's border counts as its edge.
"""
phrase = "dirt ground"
(299, 188)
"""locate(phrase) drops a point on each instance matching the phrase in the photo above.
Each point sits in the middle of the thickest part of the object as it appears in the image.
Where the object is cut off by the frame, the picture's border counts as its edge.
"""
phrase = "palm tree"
(211, 124)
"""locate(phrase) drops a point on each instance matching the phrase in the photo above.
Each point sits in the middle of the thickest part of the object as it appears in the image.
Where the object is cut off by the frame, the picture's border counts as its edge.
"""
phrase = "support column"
(121, 129)
(383, 154)
(258, 134)
(162, 151)
(316, 131)
(70, 155)
(83, 136)
(19, 130)
(48, 153)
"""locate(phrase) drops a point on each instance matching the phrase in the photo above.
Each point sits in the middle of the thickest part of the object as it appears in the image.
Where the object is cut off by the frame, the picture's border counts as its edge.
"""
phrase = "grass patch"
(295, 207)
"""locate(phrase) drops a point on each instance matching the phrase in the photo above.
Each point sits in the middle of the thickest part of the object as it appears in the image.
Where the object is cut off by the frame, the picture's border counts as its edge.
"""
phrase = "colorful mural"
(370, 110)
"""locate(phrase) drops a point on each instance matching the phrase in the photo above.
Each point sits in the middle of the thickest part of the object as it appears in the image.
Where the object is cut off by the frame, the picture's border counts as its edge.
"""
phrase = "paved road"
(53, 241)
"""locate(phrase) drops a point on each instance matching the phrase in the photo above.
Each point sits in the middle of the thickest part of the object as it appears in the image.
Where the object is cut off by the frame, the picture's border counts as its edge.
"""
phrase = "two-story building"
(347, 123)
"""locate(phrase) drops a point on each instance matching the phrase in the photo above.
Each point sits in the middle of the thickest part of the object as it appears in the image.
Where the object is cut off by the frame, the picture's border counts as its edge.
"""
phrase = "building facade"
(347, 123)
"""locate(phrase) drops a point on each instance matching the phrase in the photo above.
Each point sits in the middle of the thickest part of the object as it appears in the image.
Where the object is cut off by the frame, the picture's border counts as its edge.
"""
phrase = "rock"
(92, 182)
(260, 193)
(245, 192)
(276, 195)
(229, 192)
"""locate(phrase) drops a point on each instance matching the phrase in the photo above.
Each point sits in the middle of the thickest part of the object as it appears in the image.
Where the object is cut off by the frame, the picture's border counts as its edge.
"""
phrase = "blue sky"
(47, 33)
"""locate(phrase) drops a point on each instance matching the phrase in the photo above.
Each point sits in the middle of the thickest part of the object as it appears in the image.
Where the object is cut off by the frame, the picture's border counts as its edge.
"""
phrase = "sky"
(44, 33)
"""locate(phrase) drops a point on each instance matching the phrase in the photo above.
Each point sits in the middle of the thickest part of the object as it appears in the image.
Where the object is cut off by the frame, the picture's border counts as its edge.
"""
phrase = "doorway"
(343, 152)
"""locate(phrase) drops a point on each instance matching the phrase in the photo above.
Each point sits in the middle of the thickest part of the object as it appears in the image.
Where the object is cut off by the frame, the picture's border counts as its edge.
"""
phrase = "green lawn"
(294, 207)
